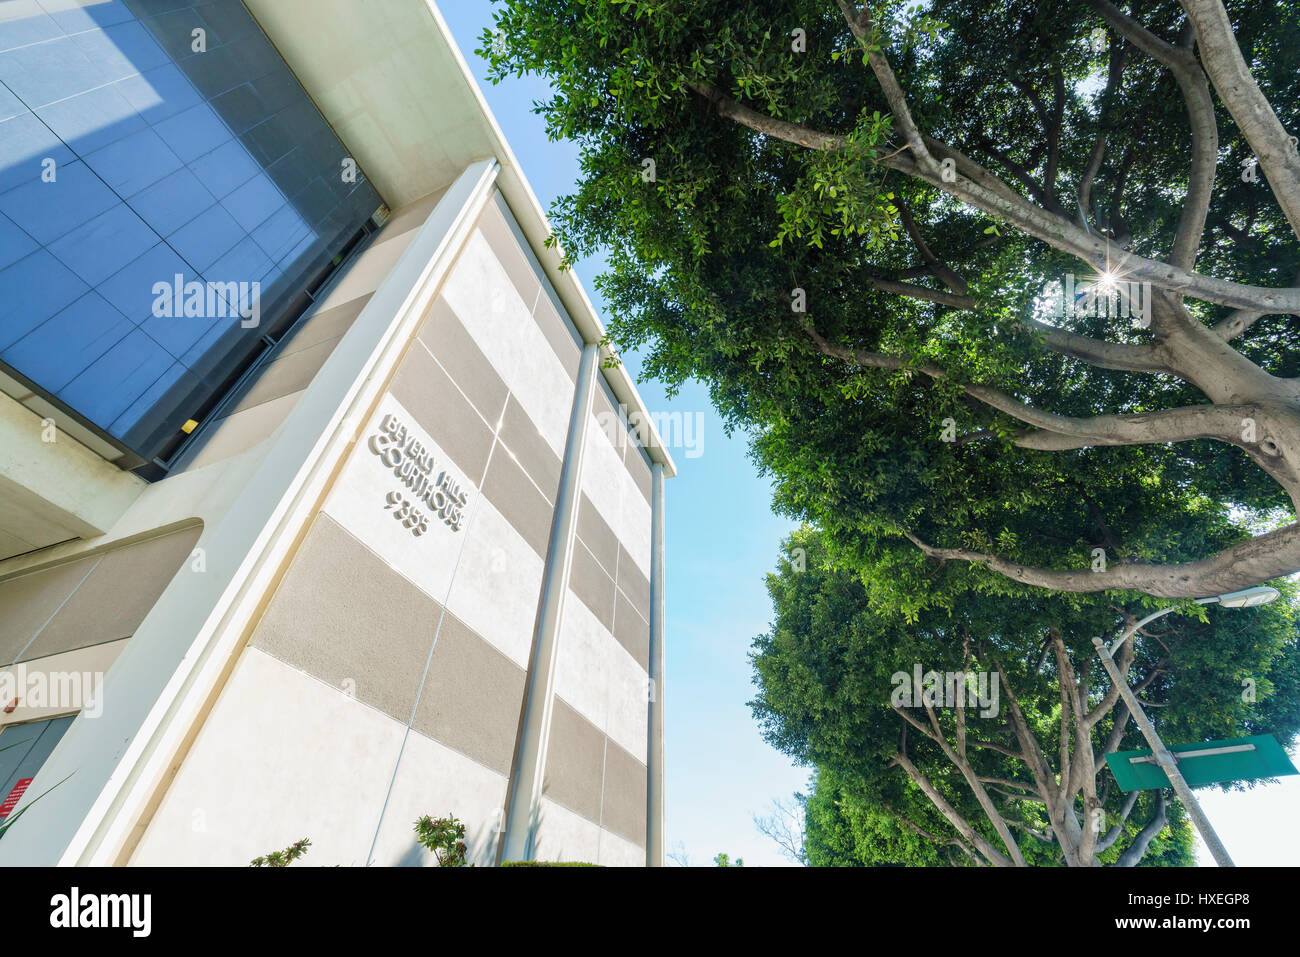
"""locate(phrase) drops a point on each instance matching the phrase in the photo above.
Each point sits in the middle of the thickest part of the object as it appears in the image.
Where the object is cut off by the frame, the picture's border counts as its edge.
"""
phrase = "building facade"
(321, 506)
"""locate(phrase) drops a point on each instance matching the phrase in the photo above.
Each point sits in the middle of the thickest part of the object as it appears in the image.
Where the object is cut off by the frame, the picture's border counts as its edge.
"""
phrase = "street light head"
(1249, 597)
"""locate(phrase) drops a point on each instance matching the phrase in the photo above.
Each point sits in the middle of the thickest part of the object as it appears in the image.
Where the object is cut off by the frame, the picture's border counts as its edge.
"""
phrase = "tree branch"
(1222, 59)
(1138, 849)
(1200, 115)
(1255, 560)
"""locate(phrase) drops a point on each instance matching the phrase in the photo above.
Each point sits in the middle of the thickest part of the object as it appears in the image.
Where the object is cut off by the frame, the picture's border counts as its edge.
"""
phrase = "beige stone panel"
(445, 336)
(322, 326)
(496, 230)
(502, 325)
(472, 697)
(618, 852)
(559, 333)
(343, 615)
(235, 434)
(627, 689)
(638, 466)
(634, 584)
(582, 664)
(368, 270)
(433, 400)
(286, 375)
(526, 445)
(575, 759)
(592, 584)
(632, 631)
(29, 600)
(116, 596)
(597, 536)
(624, 808)
(412, 215)
(515, 496)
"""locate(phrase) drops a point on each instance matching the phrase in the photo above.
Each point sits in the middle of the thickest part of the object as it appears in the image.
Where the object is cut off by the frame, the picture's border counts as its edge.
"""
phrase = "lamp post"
(1247, 598)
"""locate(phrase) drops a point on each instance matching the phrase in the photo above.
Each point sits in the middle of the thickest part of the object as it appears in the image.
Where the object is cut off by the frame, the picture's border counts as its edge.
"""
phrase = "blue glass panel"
(102, 246)
(172, 202)
(130, 290)
(60, 348)
(14, 243)
(24, 143)
(134, 163)
(213, 166)
(254, 203)
(49, 71)
(74, 19)
(91, 120)
(196, 131)
(121, 50)
(158, 94)
(149, 398)
(48, 211)
(116, 379)
(32, 290)
(225, 169)
(23, 22)
(207, 237)
(10, 105)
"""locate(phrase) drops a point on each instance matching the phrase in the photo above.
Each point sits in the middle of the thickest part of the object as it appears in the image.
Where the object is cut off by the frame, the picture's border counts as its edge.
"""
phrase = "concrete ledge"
(51, 491)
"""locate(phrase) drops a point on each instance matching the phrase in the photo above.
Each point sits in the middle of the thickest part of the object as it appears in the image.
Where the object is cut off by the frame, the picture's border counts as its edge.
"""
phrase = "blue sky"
(722, 538)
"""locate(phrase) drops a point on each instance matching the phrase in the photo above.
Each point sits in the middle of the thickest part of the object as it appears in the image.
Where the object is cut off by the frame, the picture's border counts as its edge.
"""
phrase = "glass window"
(167, 192)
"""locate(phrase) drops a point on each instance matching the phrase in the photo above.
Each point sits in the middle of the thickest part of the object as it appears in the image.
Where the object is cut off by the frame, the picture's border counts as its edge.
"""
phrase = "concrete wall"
(385, 677)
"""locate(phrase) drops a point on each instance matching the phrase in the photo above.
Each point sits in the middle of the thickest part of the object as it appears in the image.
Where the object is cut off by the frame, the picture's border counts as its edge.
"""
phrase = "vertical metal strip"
(534, 735)
(654, 822)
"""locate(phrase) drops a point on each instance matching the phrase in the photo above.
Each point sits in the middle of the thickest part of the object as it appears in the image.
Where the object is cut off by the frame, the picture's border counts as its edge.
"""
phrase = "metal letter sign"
(1209, 762)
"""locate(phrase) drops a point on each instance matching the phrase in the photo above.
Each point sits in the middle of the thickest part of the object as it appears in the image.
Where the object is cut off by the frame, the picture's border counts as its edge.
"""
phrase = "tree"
(851, 223)
(723, 860)
(912, 770)
(785, 826)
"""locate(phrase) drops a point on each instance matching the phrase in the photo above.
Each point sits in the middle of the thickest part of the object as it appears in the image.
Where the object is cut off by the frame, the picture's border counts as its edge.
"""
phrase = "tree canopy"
(861, 228)
(1016, 774)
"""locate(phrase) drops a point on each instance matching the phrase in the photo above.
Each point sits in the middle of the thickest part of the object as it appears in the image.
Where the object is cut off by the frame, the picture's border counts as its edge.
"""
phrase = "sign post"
(1164, 758)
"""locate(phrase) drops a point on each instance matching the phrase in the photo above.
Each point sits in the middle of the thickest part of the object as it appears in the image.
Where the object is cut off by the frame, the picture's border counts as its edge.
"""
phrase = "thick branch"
(990, 853)
(979, 188)
(1239, 92)
(1138, 849)
(1265, 557)
(1118, 827)
(1104, 355)
(1200, 115)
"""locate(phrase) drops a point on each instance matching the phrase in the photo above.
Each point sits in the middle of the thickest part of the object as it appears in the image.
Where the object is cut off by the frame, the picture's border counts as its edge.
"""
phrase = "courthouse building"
(321, 508)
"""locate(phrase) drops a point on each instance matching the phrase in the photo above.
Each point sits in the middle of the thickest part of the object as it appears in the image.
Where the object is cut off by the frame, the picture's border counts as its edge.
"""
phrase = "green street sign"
(1209, 762)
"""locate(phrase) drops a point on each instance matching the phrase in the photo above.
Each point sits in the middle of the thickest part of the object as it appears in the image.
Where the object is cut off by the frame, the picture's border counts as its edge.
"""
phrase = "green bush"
(547, 864)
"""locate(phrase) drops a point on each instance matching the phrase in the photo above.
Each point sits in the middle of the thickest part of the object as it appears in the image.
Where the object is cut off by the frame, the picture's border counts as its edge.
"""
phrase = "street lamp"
(1246, 598)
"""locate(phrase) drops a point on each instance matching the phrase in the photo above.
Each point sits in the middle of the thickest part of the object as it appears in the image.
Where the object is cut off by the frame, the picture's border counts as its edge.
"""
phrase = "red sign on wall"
(11, 801)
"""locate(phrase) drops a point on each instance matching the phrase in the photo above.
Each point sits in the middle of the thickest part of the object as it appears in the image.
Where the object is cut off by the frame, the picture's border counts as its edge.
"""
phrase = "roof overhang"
(390, 79)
